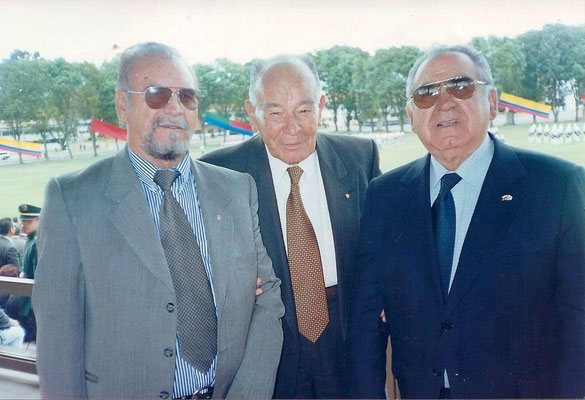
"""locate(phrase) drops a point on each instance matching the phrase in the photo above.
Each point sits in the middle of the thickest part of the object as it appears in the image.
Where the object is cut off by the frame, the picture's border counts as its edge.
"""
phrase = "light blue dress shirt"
(187, 378)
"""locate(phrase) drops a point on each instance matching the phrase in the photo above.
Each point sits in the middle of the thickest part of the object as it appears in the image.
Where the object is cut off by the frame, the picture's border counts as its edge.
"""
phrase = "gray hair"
(143, 50)
(484, 71)
(260, 67)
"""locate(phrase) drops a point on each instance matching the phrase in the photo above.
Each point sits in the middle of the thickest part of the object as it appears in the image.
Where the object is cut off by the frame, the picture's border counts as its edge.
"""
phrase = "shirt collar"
(309, 165)
(473, 170)
(146, 170)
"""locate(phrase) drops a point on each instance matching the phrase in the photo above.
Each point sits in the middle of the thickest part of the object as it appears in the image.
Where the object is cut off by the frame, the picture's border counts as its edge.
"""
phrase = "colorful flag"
(225, 123)
(521, 104)
(28, 148)
(105, 129)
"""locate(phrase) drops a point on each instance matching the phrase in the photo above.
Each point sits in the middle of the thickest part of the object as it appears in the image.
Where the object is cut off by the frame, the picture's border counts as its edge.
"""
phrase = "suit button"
(163, 395)
(466, 379)
(170, 307)
(447, 326)
(168, 352)
(436, 372)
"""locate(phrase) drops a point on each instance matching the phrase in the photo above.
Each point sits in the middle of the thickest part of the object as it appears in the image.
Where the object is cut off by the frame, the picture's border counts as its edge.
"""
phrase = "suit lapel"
(132, 217)
(491, 218)
(342, 193)
(219, 228)
(258, 166)
(417, 209)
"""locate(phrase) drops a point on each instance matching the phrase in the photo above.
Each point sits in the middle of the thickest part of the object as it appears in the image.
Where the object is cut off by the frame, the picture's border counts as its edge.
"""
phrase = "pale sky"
(97, 30)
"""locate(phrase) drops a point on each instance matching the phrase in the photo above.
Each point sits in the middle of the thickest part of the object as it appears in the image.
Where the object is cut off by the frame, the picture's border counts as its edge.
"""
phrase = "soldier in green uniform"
(29, 217)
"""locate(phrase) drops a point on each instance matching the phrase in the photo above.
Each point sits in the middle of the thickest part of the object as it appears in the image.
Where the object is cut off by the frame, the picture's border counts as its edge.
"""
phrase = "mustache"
(170, 121)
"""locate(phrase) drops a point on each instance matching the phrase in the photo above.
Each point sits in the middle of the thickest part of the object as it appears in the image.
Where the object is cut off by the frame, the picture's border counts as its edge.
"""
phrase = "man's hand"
(14, 322)
(258, 284)
(382, 314)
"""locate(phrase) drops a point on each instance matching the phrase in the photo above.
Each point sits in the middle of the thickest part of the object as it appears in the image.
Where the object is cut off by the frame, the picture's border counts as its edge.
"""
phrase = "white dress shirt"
(315, 203)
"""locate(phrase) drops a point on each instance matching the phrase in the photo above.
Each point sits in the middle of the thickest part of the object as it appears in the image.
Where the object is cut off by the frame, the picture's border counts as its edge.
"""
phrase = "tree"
(66, 99)
(336, 68)
(508, 64)
(21, 88)
(387, 76)
(551, 55)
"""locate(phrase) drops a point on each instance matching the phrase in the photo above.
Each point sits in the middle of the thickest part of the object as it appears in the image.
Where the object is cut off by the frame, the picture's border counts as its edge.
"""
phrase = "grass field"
(25, 183)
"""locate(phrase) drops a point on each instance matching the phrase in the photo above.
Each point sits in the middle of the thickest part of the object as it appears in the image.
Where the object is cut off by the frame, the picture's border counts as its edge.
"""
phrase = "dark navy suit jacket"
(347, 165)
(513, 324)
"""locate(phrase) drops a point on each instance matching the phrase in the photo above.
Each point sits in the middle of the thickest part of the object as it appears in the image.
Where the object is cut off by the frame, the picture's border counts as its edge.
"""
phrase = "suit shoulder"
(395, 175)
(230, 157)
(90, 175)
(221, 172)
(546, 166)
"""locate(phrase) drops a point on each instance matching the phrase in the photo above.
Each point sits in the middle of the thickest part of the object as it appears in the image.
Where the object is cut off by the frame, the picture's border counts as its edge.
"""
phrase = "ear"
(251, 110)
(322, 102)
(409, 112)
(121, 107)
(493, 99)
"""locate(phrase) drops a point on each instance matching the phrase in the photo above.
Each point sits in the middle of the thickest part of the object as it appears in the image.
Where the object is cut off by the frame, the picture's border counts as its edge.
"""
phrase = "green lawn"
(25, 183)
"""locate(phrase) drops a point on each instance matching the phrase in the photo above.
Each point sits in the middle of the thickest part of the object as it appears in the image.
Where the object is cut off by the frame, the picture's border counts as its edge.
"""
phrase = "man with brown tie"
(311, 187)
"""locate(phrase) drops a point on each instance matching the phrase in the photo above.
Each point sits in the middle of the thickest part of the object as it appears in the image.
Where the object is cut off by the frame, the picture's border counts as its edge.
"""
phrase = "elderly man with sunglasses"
(146, 281)
(476, 252)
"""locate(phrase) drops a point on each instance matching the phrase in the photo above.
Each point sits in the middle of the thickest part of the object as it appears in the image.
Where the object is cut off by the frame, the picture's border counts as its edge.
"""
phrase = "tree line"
(50, 97)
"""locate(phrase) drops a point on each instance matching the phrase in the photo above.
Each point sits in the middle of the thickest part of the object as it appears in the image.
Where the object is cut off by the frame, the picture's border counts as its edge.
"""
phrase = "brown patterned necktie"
(304, 260)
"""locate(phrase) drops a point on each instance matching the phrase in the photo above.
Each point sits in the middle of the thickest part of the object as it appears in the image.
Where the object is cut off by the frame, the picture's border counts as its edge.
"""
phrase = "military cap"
(28, 211)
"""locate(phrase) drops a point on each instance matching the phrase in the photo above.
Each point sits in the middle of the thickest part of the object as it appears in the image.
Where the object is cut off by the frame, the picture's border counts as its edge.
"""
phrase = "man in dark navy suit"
(285, 107)
(476, 253)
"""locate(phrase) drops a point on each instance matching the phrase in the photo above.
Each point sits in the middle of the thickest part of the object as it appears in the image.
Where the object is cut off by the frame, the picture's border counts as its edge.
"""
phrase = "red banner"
(105, 129)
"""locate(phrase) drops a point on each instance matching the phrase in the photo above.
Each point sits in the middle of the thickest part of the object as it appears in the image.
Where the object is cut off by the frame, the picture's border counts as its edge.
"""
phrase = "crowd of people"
(18, 259)
(279, 267)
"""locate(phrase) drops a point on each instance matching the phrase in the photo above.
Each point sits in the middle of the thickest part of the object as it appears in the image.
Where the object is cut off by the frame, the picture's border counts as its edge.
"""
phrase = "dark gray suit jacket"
(8, 253)
(103, 287)
(347, 165)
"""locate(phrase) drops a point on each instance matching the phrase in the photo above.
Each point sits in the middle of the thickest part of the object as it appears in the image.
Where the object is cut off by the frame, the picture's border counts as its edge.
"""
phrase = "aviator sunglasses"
(461, 87)
(156, 97)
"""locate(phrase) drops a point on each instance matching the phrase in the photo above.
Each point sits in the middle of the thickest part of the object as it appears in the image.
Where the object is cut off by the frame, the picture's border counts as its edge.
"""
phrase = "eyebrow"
(275, 105)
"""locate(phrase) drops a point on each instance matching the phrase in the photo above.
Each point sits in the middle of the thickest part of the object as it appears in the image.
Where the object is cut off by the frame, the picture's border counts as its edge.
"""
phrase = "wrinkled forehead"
(445, 66)
(151, 70)
(286, 75)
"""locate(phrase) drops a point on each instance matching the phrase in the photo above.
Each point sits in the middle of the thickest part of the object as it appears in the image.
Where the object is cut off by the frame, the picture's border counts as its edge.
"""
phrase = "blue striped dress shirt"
(187, 378)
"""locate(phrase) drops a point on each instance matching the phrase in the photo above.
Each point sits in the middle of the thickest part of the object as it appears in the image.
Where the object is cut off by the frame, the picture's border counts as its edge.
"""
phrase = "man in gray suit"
(8, 252)
(285, 107)
(108, 304)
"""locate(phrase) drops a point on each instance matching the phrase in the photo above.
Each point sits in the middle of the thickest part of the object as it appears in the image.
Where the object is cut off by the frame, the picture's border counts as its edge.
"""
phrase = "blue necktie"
(444, 228)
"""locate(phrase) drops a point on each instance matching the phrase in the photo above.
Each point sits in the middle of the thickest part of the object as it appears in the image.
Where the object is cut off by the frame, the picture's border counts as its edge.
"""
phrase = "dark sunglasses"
(157, 97)
(461, 87)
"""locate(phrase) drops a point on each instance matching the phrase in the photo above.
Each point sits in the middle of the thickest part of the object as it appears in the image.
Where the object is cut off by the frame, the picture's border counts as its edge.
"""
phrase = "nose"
(291, 126)
(174, 106)
(446, 100)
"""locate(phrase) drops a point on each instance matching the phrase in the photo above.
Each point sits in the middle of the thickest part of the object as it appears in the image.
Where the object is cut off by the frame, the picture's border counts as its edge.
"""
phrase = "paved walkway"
(18, 385)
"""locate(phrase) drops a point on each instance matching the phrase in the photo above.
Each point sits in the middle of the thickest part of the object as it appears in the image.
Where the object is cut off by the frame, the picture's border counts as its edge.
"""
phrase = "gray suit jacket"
(8, 253)
(347, 165)
(103, 285)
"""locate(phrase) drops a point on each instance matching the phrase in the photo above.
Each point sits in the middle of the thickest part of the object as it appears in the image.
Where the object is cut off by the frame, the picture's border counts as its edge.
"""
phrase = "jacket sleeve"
(570, 292)
(257, 372)
(58, 302)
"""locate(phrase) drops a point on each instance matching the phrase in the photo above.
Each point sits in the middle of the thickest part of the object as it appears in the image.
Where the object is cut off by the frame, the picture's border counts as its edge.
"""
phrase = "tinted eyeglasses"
(461, 87)
(157, 97)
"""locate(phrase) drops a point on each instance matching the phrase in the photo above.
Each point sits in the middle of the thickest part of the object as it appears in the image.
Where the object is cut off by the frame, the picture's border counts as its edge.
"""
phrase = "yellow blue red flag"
(521, 104)
(29, 148)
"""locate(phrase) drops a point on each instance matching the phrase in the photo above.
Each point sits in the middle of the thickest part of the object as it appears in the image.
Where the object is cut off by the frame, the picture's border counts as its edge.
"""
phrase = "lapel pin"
(218, 217)
(507, 197)
(347, 196)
